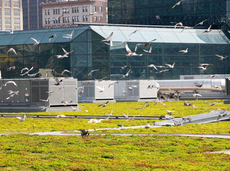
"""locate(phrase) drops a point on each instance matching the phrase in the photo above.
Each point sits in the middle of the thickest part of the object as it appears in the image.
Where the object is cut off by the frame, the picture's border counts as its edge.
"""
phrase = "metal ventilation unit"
(32, 94)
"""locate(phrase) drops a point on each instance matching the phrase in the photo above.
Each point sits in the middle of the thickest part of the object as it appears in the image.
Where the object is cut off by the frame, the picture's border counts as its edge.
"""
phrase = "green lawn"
(24, 152)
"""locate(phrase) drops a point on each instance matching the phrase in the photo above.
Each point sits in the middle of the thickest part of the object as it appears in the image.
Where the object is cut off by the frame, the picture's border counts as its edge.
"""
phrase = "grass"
(152, 110)
(24, 152)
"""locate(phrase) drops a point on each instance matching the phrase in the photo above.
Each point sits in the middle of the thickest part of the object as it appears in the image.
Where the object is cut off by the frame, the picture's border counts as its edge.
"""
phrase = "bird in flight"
(184, 51)
(52, 36)
(84, 132)
(112, 84)
(222, 57)
(123, 67)
(12, 94)
(162, 71)
(108, 39)
(169, 112)
(66, 102)
(65, 70)
(176, 4)
(203, 66)
(133, 32)
(36, 41)
(81, 89)
(11, 68)
(148, 51)
(12, 50)
(130, 53)
(201, 23)
(127, 74)
(178, 24)
(93, 71)
(198, 85)
(152, 66)
(69, 36)
(99, 80)
(101, 89)
(65, 55)
(27, 70)
(170, 66)
(57, 81)
(208, 29)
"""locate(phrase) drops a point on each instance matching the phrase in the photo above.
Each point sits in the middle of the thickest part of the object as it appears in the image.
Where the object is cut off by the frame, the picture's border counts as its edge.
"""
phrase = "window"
(86, 9)
(16, 12)
(54, 11)
(100, 18)
(106, 9)
(95, 18)
(7, 3)
(46, 22)
(94, 8)
(7, 12)
(74, 9)
(100, 9)
(16, 21)
(59, 11)
(16, 3)
(77, 18)
(48, 12)
(45, 12)
(7, 20)
(54, 20)
(77, 9)
(83, 9)
(86, 18)
(83, 18)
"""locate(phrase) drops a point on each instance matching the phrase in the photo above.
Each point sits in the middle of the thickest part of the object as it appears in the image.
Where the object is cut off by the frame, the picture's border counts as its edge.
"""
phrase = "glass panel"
(36, 35)
(7, 39)
(31, 50)
(168, 35)
(46, 50)
(48, 37)
(20, 39)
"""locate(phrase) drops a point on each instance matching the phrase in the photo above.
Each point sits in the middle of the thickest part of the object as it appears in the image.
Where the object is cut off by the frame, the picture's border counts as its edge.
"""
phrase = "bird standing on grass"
(84, 133)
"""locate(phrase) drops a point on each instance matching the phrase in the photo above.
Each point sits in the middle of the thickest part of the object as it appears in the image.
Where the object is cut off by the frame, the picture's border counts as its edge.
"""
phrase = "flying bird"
(81, 89)
(93, 71)
(8, 82)
(123, 67)
(36, 41)
(69, 36)
(178, 24)
(27, 70)
(203, 66)
(148, 43)
(222, 57)
(148, 51)
(45, 100)
(12, 50)
(169, 112)
(158, 101)
(52, 36)
(11, 68)
(108, 39)
(184, 51)
(133, 32)
(198, 85)
(178, 3)
(208, 29)
(101, 89)
(170, 66)
(66, 102)
(201, 23)
(162, 71)
(99, 80)
(152, 66)
(12, 94)
(112, 84)
(127, 74)
(130, 53)
(65, 70)
(57, 81)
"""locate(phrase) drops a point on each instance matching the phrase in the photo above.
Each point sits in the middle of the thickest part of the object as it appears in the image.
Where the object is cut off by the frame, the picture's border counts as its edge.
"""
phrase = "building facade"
(66, 13)
(89, 52)
(11, 15)
(163, 12)
(32, 14)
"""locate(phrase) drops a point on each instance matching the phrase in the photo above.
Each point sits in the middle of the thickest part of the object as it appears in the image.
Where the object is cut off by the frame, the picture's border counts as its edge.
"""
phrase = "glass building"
(160, 12)
(89, 52)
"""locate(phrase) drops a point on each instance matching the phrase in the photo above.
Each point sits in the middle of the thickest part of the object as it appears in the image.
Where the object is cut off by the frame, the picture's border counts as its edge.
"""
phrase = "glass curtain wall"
(160, 12)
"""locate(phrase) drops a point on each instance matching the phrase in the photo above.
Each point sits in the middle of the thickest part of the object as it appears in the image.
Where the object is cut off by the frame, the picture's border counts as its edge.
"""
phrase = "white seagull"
(8, 82)
(201, 23)
(171, 66)
(148, 51)
(184, 51)
(133, 32)
(36, 41)
(12, 50)
(152, 66)
(65, 70)
(27, 70)
(203, 66)
(178, 3)
(22, 118)
(222, 57)
(69, 36)
(208, 29)
(130, 53)
(108, 39)
(127, 74)
(178, 24)
(93, 71)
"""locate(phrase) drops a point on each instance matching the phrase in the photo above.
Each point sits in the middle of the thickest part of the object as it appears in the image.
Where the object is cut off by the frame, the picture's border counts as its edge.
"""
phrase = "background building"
(11, 15)
(91, 53)
(32, 14)
(160, 12)
(66, 13)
